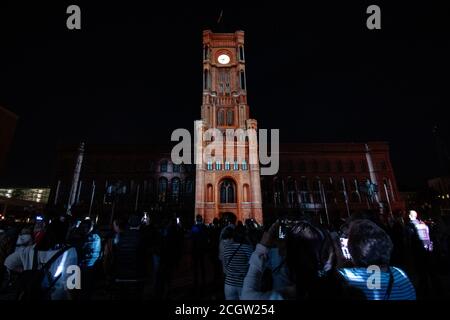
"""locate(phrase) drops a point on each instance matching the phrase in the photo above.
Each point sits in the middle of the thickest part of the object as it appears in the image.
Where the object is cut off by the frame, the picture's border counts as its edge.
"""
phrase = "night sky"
(133, 73)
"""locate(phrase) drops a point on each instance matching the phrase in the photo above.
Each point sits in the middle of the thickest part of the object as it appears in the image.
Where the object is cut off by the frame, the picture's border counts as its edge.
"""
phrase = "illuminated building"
(325, 180)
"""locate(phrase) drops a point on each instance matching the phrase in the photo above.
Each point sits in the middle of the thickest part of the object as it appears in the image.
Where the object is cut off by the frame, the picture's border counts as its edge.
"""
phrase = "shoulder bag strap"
(234, 253)
(390, 285)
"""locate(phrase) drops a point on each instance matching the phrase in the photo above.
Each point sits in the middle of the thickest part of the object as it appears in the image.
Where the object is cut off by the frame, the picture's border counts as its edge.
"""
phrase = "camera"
(282, 230)
(285, 226)
(344, 248)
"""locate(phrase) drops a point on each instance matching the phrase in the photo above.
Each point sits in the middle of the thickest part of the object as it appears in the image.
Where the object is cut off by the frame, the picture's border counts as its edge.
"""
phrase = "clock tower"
(228, 182)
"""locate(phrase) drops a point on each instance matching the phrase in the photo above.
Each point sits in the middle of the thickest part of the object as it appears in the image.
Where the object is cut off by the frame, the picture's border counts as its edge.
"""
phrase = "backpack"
(37, 284)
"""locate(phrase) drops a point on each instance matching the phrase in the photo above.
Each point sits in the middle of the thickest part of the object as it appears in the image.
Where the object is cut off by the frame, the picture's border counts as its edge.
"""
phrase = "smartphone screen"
(344, 247)
(282, 232)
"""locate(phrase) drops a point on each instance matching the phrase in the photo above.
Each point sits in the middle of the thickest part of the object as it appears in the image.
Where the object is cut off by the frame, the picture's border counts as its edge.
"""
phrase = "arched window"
(242, 79)
(175, 189)
(209, 165)
(218, 165)
(230, 119)
(227, 165)
(176, 168)
(209, 193)
(205, 79)
(205, 53)
(162, 189)
(189, 186)
(241, 53)
(236, 166)
(246, 194)
(163, 166)
(220, 117)
(227, 191)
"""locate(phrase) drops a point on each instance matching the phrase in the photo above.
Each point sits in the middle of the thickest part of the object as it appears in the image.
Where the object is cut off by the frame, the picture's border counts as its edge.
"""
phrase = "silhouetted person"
(214, 239)
(199, 236)
(129, 260)
(170, 255)
(371, 247)
(88, 245)
(310, 262)
(236, 256)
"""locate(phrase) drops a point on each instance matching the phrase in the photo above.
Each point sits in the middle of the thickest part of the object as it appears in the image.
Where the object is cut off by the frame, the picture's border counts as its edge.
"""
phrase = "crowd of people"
(366, 256)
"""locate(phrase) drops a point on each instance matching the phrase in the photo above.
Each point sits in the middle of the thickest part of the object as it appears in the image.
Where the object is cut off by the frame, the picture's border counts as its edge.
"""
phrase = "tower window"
(227, 165)
(209, 165)
(230, 118)
(241, 53)
(205, 79)
(218, 165)
(242, 79)
(205, 53)
(236, 166)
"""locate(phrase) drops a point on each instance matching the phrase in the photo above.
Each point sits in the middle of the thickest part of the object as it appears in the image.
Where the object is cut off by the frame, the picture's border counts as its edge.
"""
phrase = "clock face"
(223, 59)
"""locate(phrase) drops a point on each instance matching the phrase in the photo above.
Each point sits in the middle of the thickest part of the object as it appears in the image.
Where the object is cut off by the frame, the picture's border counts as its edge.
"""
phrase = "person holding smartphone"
(310, 259)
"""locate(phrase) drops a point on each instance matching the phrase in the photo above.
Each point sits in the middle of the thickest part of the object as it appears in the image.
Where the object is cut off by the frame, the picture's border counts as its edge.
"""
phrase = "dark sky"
(133, 73)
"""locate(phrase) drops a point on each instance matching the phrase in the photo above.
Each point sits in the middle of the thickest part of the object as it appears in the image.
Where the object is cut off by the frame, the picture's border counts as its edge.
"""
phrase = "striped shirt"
(236, 257)
(402, 288)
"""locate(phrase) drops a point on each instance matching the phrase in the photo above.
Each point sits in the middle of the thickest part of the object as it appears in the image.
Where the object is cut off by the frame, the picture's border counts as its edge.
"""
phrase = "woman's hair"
(310, 256)
(368, 244)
